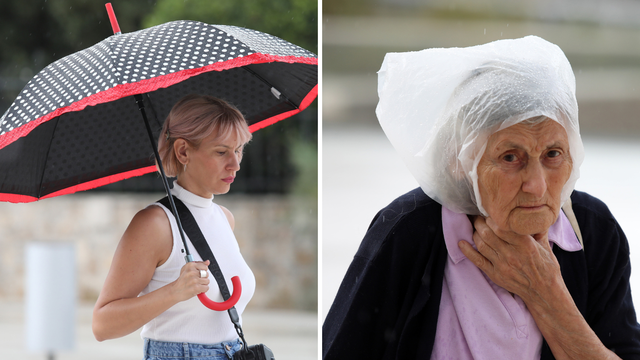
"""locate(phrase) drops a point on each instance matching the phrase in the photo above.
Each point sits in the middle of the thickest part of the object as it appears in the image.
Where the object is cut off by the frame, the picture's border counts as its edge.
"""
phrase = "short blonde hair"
(193, 118)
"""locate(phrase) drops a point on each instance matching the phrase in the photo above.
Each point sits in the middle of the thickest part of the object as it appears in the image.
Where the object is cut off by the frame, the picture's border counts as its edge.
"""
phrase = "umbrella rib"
(270, 85)
(153, 109)
(46, 158)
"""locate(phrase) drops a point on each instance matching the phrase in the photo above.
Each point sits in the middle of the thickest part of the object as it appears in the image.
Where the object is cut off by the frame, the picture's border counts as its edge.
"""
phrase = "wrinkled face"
(521, 175)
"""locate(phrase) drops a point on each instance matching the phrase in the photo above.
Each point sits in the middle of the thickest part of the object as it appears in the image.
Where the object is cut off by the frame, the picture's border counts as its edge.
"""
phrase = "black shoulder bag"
(253, 352)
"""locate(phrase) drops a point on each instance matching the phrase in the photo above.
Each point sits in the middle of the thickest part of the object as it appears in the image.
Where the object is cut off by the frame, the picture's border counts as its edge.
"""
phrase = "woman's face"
(521, 175)
(212, 166)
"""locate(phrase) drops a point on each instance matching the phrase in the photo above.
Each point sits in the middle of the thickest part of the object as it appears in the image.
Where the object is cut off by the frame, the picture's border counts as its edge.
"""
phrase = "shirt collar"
(458, 227)
(189, 197)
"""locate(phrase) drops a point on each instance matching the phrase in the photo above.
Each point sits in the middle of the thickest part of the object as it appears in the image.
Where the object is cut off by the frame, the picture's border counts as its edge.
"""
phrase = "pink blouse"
(478, 319)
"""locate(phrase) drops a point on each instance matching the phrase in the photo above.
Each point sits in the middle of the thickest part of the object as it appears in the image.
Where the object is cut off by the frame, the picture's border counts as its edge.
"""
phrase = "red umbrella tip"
(112, 18)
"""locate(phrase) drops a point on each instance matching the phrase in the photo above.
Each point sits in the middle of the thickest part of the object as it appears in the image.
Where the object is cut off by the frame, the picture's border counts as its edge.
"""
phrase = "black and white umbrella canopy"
(75, 125)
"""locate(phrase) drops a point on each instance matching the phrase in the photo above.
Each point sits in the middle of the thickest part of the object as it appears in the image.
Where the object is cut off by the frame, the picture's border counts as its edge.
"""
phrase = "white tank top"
(190, 321)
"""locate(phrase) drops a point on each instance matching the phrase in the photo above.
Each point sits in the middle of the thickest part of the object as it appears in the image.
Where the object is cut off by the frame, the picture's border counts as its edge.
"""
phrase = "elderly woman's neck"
(485, 223)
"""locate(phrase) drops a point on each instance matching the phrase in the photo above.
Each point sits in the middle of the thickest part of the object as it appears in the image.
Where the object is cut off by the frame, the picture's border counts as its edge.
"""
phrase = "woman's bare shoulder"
(150, 232)
(151, 215)
(145, 245)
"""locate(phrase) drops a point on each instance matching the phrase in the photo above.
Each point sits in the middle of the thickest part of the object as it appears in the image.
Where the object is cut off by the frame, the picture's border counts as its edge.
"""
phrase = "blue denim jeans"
(163, 350)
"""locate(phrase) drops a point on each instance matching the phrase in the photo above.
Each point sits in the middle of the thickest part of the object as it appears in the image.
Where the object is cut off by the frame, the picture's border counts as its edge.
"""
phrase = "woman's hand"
(190, 284)
(527, 267)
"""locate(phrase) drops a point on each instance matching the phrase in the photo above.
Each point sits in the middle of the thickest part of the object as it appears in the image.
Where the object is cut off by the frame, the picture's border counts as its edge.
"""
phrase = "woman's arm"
(526, 266)
(145, 245)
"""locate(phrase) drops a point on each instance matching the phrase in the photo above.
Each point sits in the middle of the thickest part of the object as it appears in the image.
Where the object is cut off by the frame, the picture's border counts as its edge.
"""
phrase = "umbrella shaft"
(140, 101)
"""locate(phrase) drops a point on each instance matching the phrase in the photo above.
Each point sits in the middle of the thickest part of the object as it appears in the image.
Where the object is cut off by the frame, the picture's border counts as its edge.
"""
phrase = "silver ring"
(203, 273)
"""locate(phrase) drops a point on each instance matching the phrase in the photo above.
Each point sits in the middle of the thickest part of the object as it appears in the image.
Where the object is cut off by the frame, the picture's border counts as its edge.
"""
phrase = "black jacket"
(387, 306)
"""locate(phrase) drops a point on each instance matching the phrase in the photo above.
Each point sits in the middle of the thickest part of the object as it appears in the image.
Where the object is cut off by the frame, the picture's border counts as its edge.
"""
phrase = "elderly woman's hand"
(526, 266)
(522, 264)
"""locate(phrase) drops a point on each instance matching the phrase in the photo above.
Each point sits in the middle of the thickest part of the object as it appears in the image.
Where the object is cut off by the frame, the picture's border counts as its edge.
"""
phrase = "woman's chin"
(221, 190)
(531, 224)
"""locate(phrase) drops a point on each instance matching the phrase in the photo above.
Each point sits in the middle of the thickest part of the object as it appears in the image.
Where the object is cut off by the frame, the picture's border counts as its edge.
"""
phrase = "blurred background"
(361, 172)
(274, 198)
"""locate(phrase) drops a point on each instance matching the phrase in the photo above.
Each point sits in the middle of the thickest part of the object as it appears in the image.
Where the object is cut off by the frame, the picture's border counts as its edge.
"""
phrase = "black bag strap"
(199, 242)
(192, 229)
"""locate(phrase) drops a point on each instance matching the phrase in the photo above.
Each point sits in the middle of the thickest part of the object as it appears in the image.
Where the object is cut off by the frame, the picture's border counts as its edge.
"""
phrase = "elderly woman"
(495, 257)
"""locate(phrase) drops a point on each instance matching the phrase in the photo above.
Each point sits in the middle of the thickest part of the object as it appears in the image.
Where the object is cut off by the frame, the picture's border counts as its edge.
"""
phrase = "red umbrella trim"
(149, 169)
(80, 187)
(163, 81)
(14, 198)
(274, 119)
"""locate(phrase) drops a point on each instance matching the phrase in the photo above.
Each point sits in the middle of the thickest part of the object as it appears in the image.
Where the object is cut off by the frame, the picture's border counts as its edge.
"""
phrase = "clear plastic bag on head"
(438, 107)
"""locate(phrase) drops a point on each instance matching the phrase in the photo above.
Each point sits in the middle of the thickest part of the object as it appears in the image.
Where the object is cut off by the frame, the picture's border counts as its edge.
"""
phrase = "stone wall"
(277, 236)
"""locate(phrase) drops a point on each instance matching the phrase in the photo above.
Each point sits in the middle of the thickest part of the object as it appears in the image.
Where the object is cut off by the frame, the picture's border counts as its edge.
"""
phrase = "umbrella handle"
(225, 305)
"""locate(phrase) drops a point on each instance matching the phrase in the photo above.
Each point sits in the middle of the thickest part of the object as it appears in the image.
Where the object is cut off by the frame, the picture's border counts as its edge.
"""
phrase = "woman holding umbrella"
(148, 284)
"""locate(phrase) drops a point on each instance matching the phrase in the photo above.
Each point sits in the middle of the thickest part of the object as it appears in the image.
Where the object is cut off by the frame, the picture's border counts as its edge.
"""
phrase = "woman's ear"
(181, 149)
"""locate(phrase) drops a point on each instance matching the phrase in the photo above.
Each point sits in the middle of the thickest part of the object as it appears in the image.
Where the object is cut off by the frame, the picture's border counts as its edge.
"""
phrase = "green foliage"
(293, 20)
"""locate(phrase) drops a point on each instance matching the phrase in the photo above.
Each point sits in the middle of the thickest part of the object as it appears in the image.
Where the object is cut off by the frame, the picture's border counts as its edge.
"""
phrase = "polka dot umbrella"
(76, 125)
